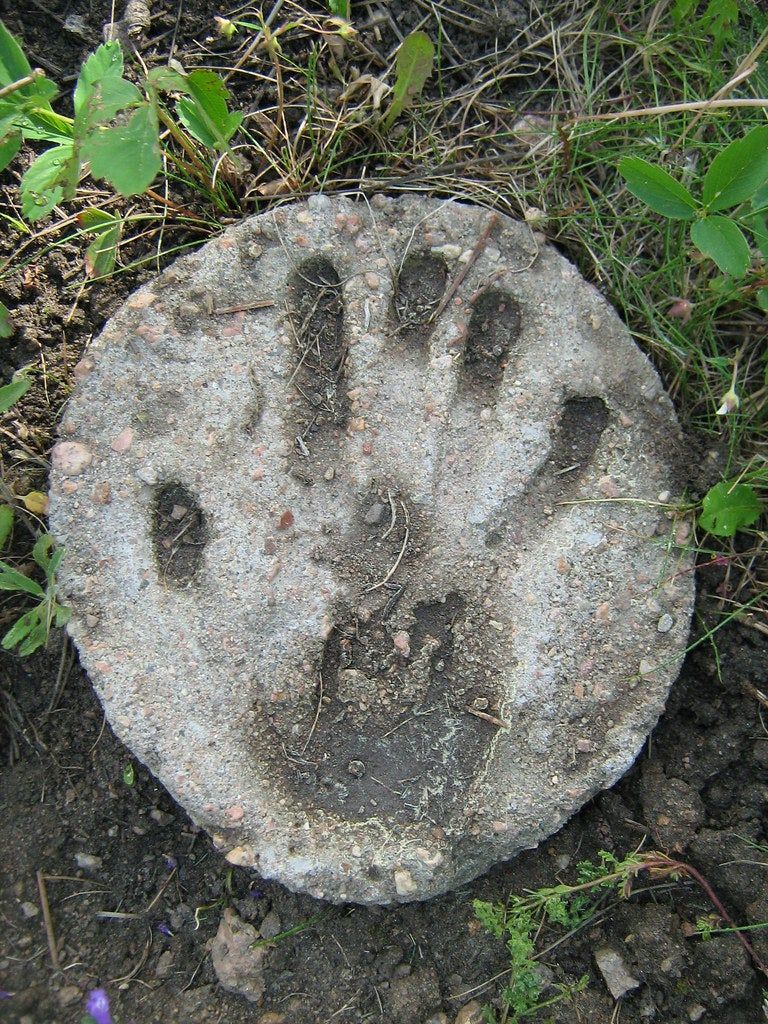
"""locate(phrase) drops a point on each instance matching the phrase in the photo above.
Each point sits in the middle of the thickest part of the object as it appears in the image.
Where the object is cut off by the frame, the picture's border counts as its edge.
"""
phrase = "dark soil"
(317, 318)
(135, 892)
(179, 534)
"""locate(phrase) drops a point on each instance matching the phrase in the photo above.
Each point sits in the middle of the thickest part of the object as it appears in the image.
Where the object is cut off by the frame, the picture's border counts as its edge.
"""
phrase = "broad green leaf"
(727, 507)
(6, 324)
(53, 565)
(9, 147)
(62, 615)
(11, 393)
(21, 102)
(39, 186)
(760, 198)
(9, 115)
(167, 80)
(340, 8)
(204, 113)
(682, 10)
(101, 254)
(413, 66)
(738, 171)
(104, 100)
(47, 126)
(41, 552)
(101, 91)
(37, 205)
(13, 64)
(762, 299)
(94, 219)
(759, 228)
(28, 633)
(657, 188)
(37, 635)
(6, 524)
(719, 20)
(10, 579)
(721, 240)
(106, 62)
(41, 92)
(127, 155)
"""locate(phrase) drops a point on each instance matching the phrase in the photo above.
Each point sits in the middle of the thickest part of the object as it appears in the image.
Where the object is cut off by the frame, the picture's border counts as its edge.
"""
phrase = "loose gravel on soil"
(367, 544)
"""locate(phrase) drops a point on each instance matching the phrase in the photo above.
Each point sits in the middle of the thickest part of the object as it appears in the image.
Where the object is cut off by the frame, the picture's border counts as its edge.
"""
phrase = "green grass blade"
(6, 324)
(6, 524)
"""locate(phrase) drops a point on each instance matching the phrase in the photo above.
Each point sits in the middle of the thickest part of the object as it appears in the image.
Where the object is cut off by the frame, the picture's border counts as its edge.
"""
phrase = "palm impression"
(364, 541)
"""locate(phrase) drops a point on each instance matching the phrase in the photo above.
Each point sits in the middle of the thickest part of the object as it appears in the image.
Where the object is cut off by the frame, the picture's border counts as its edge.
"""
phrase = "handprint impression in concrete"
(359, 582)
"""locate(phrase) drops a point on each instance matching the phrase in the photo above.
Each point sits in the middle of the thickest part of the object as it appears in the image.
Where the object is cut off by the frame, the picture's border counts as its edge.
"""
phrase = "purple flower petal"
(164, 929)
(4, 994)
(98, 1006)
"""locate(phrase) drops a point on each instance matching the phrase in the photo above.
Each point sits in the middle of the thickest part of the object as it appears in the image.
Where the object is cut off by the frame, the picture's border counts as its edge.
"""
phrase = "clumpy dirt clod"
(377, 590)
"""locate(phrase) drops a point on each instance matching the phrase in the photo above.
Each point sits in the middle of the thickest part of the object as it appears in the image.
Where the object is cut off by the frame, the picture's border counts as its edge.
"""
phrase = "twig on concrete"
(480, 245)
(486, 717)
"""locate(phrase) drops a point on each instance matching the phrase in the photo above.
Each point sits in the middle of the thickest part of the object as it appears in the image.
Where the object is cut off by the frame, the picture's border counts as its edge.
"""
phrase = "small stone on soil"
(68, 995)
(88, 862)
(164, 964)
(161, 817)
(615, 973)
(271, 925)
(238, 966)
(374, 515)
(471, 1013)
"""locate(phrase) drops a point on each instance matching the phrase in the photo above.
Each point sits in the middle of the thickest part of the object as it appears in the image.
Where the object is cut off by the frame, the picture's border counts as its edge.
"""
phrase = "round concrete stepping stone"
(366, 551)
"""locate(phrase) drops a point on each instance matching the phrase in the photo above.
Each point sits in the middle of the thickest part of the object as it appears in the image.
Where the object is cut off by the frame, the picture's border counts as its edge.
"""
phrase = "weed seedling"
(122, 132)
(11, 393)
(31, 630)
(521, 920)
(413, 66)
(735, 182)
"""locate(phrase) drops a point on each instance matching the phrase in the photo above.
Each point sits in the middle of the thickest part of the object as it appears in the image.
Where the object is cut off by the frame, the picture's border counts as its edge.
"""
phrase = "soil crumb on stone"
(493, 328)
(420, 287)
(316, 313)
(179, 533)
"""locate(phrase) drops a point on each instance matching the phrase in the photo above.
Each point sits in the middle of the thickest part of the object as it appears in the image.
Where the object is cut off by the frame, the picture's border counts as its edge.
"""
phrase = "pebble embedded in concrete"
(354, 575)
